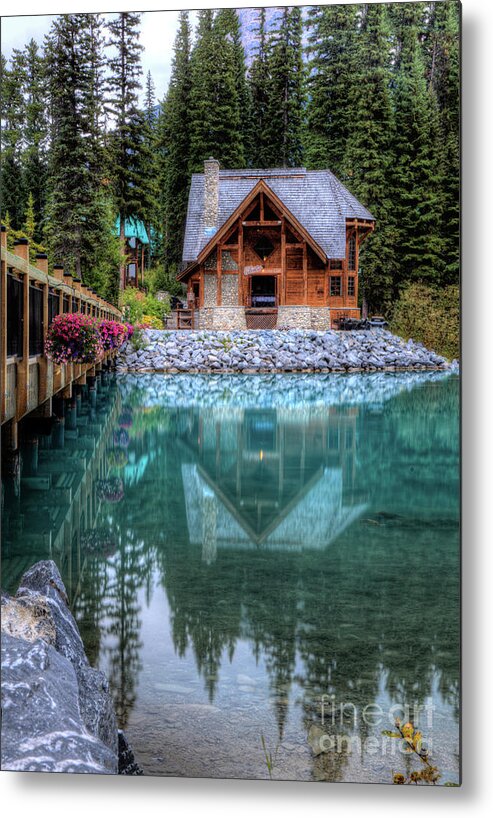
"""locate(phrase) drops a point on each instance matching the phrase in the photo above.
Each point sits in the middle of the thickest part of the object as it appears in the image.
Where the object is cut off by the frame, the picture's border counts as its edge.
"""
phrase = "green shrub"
(430, 315)
(158, 278)
(137, 305)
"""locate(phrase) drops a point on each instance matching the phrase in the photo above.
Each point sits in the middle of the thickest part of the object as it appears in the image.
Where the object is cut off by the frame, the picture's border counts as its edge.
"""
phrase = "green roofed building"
(136, 239)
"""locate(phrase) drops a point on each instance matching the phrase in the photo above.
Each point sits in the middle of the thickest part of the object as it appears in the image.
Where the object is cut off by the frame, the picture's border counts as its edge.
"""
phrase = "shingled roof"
(316, 198)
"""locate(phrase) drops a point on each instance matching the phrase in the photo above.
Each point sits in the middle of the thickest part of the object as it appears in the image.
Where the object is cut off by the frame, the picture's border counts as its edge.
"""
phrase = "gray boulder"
(96, 705)
(42, 726)
(57, 710)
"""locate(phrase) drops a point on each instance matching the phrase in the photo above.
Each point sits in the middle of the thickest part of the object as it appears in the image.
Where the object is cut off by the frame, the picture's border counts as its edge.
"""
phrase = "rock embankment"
(276, 351)
(57, 711)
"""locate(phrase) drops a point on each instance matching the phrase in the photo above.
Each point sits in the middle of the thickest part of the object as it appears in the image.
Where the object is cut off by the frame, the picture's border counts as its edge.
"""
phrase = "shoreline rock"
(58, 715)
(276, 351)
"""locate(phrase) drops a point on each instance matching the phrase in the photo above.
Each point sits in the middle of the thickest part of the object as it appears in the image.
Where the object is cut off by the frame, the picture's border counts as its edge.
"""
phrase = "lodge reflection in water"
(277, 479)
(288, 529)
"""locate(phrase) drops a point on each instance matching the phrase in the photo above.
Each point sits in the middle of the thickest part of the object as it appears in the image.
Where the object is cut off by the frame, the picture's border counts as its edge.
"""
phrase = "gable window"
(350, 285)
(335, 285)
(352, 253)
(336, 264)
(263, 247)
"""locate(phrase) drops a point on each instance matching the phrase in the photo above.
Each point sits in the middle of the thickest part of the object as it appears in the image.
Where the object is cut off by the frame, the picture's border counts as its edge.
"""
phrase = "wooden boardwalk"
(30, 298)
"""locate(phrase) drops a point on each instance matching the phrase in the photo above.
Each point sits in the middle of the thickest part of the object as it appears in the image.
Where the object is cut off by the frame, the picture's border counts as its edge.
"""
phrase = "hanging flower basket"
(117, 458)
(126, 419)
(110, 490)
(121, 438)
(73, 338)
(113, 334)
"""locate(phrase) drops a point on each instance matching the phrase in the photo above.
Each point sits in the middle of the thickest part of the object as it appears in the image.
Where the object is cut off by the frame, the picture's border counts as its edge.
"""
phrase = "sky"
(158, 31)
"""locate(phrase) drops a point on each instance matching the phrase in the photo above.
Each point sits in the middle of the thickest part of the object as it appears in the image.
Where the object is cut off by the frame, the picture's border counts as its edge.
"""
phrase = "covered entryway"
(261, 311)
(263, 291)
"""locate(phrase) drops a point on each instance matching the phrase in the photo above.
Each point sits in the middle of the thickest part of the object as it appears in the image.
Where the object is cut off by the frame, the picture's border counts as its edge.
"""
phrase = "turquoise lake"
(258, 561)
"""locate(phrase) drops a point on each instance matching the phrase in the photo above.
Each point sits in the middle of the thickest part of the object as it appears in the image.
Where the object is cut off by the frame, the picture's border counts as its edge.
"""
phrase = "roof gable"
(316, 199)
(260, 187)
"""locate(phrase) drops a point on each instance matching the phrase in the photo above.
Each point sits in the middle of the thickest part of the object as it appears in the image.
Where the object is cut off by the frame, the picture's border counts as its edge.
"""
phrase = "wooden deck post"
(21, 247)
(241, 266)
(45, 366)
(305, 274)
(282, 288)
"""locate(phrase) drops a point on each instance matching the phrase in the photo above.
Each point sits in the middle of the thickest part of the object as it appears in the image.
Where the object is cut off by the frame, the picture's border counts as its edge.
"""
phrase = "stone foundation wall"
(320, 318)
(229, 290)
(298, 317)
(221, 318)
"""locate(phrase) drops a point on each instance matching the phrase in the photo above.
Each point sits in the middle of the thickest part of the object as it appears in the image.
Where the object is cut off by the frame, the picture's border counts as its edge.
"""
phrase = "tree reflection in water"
(323, 536)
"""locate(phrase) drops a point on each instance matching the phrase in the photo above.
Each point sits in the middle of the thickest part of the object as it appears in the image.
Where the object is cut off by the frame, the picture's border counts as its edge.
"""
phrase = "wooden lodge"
(31, 297)
(272, 248)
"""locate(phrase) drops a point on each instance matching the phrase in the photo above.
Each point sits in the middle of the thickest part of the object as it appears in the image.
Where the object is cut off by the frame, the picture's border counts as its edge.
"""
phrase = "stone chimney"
(211, 196)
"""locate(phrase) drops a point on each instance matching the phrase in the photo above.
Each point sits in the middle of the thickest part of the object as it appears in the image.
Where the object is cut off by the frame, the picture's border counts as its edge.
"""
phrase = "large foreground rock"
(57, 711)
(42, 726)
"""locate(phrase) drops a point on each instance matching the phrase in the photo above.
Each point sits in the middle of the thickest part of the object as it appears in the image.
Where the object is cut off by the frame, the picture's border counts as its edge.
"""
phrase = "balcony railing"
(30, 299)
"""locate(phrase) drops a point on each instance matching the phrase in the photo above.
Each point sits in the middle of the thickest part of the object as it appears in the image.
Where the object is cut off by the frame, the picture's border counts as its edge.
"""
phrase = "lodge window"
(336, 264)
(263, 247)
(333, 437)
(53, 305)
(350, 286)
(65, 303)
(335, 285)
(14, 316)
(35, 321)
(352, 253)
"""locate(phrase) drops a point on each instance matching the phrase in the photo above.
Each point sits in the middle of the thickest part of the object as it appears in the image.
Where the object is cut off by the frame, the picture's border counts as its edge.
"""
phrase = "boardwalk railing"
(30, 299)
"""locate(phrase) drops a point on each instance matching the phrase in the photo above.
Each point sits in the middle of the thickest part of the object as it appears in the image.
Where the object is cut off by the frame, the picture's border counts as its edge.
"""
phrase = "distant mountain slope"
(249, 20)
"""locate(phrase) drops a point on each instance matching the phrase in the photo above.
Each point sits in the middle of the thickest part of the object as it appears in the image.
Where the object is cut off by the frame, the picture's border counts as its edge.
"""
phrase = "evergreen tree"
(418, 199)
(128, 149)
(150, 166)
(229, 25)
(13, 112)
(29, 225)
(174, 146)
(35, 148)
(150, 99)
(214, 105)
(369, 155)
(69, 174)
(329, 118)
(259, 92)
(76, 215)
(286, 86)
(444, 79)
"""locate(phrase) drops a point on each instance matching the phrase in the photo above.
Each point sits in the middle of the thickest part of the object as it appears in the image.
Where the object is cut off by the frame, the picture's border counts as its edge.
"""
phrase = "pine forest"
(370, 91)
